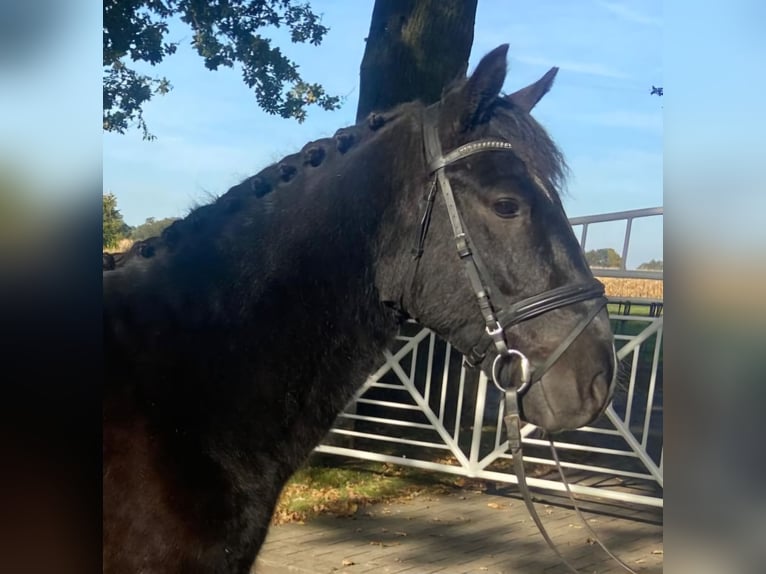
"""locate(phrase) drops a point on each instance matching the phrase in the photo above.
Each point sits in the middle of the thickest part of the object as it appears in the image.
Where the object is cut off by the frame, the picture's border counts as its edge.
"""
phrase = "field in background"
(633, 288)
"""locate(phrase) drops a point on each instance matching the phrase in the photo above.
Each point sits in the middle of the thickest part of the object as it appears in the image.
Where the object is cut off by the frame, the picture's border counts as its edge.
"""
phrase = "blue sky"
(211, 134)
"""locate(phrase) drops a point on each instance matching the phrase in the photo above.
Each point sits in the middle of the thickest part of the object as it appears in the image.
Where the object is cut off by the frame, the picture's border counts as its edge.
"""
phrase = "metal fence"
(626, 217)
(423, 409)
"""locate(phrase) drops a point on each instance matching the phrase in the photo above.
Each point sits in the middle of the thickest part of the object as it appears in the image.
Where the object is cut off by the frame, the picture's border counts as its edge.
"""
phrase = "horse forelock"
(533, 145)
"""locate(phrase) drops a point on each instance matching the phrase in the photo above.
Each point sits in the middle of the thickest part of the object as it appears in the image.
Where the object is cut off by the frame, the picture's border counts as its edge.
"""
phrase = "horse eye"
(506, 207)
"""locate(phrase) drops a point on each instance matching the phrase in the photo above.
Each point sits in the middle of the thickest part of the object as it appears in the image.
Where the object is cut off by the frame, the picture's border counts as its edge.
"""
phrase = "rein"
(498, 321)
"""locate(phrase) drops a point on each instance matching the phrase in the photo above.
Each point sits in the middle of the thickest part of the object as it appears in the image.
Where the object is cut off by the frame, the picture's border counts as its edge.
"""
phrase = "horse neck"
(275, 307)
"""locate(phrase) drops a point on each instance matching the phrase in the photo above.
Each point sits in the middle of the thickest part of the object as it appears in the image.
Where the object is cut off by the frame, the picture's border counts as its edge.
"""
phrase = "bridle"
(498, 314)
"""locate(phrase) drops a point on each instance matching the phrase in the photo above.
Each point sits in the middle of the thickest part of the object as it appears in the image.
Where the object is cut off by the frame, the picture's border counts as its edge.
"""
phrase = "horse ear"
(478, 94)
(527, 98)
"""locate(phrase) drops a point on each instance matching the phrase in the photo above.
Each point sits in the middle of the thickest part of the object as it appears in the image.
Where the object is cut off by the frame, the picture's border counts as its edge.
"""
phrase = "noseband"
(501, 315)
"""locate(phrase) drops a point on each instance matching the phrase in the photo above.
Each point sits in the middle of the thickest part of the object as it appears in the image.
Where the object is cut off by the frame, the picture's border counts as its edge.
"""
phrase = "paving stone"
(464, 534)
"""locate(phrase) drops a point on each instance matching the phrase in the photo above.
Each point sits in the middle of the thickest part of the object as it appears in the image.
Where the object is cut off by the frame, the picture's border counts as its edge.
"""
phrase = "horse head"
(480, 250)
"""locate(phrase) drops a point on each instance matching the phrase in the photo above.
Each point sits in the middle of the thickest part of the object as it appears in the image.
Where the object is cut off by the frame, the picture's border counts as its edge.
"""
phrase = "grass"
(341, 487)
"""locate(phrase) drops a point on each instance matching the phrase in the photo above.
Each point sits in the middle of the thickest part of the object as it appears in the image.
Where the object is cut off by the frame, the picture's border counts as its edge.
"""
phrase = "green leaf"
(224, 34)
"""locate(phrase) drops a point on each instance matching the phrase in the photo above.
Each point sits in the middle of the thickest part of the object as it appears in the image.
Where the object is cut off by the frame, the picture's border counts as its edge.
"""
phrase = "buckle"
(496, 331)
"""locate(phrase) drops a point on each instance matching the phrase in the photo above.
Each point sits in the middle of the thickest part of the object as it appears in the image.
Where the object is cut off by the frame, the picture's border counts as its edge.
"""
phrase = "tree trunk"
(414, 48)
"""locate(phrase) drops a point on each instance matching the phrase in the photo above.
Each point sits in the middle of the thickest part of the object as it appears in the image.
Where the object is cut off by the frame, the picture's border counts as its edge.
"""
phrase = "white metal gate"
(421, 408)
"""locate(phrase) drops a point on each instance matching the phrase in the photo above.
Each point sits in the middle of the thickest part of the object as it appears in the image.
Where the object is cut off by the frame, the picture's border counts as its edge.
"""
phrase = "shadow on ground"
(466, 532)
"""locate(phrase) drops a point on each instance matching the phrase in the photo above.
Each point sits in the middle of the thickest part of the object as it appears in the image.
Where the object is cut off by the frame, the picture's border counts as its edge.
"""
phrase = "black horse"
(235, 338)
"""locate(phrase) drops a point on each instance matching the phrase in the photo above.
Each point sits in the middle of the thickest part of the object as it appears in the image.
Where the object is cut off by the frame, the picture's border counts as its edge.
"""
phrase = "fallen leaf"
(347, 562)
(493, 505)
(657, 552)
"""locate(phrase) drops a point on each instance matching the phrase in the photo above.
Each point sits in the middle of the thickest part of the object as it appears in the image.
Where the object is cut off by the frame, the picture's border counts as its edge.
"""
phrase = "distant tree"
(606, 257)
(225, 33)
(150, 228)
(114, 227)
(653, 265)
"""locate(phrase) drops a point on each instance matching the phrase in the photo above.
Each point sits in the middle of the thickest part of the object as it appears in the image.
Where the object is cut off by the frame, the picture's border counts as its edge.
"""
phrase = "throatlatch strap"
(425, 223)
